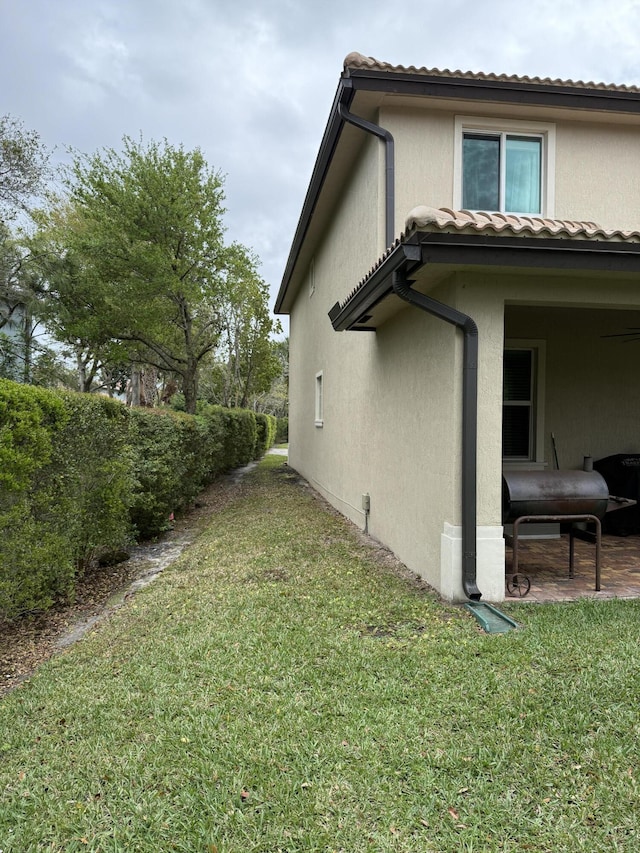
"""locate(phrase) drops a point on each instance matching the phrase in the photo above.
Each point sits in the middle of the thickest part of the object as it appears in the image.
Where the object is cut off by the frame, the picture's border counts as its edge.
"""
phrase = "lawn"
(282, 688)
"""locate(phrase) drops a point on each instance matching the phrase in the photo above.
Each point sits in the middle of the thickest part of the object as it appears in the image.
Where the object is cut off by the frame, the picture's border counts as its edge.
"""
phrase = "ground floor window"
(522, 402)
(319, 399)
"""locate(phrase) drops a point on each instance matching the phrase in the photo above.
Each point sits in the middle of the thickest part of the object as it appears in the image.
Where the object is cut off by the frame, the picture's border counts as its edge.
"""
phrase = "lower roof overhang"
(428, 257)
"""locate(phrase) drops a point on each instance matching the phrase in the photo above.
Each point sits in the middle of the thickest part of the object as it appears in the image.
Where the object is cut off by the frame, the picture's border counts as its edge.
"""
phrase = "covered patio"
(546, 563)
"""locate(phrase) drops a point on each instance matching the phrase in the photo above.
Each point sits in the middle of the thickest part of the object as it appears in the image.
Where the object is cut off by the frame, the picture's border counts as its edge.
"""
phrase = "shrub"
(265, 434)
(80, 474)
(282, 431)
(94, 458)
(174, 456)
(212, 451)
(157, 467)
(240, 436)
(36, 560)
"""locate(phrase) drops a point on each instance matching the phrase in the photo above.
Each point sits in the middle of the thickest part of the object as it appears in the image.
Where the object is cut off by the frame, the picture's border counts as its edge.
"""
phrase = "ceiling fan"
(633, 334)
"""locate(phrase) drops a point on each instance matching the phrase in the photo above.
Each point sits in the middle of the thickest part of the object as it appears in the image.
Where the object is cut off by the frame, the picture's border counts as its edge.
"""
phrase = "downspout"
(390, 192)
(469, 421)
(470, 368)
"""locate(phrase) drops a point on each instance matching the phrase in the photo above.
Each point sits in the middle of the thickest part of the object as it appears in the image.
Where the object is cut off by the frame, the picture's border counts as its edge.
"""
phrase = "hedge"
(36, 559)
(175, 455)
(82, 475)
(240, 435)
(93, 464)
(265, 434)
(282, 431)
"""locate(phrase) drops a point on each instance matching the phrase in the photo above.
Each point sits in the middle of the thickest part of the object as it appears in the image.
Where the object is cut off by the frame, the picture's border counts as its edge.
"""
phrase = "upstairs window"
(504, 166)
(502, 172)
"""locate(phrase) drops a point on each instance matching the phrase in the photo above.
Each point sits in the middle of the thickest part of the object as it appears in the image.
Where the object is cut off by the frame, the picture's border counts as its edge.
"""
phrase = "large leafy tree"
(247, 362)
(70, 298)
(135, 255)
(23, 165)
(18, 303)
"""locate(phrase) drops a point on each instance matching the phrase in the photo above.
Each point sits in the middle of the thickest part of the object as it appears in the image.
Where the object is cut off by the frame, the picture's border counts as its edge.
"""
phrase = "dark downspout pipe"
(469, 421)
(390, 190)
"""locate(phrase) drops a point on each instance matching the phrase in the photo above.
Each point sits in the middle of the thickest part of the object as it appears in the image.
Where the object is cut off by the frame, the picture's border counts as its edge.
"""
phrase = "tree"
(18, 286)
(247, 363)
(138, 242)
(23, 164)
(67, 302)
(275, 401)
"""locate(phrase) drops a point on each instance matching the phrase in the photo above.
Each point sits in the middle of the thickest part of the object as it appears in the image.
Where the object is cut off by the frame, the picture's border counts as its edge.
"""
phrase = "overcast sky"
(250, 83)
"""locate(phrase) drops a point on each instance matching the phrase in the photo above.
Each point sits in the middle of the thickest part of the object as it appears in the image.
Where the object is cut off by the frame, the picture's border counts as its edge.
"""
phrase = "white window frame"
(312, 277)
(319, 399)
(538, 347)
(545, 130)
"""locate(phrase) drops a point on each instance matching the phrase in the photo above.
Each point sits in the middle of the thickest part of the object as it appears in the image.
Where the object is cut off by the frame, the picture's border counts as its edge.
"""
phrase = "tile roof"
(444, 219)
(358, 61)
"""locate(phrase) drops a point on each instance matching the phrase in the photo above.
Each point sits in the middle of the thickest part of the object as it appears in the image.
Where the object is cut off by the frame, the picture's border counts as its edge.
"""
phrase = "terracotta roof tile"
(357, 60)
(424, 218)
(446, 220)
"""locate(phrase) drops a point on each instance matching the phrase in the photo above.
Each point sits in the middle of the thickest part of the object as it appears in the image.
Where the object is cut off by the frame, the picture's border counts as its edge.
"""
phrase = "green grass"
(277, 690)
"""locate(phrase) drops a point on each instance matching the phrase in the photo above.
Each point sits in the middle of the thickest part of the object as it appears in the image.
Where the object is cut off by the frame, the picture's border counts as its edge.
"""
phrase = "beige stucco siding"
(423, 158)
(589, 159)
(414, 466)
(483, 301)
(392, 398)
(331, 456)
(598, 174)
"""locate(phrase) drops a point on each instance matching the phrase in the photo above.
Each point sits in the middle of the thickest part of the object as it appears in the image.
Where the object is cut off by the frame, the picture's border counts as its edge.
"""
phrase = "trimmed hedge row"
(282, 431)
(82, 476)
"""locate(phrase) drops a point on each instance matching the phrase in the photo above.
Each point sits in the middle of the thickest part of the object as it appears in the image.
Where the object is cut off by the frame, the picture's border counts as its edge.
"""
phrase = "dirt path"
(28, 642)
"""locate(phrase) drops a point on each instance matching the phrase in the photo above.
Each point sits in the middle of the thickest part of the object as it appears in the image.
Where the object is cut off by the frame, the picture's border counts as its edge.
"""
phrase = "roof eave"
(344, 95)
(506, 91)
(404, 82)
(481, 251)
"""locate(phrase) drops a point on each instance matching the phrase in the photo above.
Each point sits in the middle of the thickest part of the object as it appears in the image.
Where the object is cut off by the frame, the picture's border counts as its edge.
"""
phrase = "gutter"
(470, 369)
(469, 330)
(484, 88)
(390, 181)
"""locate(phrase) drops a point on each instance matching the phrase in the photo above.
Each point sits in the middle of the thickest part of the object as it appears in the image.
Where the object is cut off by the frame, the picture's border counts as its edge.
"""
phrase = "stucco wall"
(596, 170)
(392, 398)
(331, 456)
(414, 466)
(598, 173)
(423, 158)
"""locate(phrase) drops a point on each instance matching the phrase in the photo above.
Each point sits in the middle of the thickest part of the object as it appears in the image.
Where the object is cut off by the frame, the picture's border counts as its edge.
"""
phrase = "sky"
(251, 83)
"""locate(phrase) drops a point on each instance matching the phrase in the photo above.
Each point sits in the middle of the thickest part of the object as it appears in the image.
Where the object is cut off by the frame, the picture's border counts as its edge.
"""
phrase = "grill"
(553, 493)
(574, 499)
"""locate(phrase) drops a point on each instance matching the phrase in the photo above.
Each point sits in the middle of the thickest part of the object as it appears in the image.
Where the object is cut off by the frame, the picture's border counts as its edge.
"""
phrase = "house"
(463, 284)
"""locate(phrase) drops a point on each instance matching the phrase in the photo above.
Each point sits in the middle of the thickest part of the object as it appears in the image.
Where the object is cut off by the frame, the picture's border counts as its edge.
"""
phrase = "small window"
(312, 278)
(504, 166)
(518, 427)
(319, 400)
(522, 402)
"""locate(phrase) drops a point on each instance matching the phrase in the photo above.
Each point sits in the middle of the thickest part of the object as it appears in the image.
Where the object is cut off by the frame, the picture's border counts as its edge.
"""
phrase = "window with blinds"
(518, 404)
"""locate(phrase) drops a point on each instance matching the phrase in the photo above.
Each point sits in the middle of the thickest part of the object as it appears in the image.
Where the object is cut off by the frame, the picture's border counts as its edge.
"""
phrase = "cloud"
(251, 83)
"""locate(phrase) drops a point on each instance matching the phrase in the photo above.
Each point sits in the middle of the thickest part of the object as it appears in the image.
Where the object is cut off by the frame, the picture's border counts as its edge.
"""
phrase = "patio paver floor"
(546, 563)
